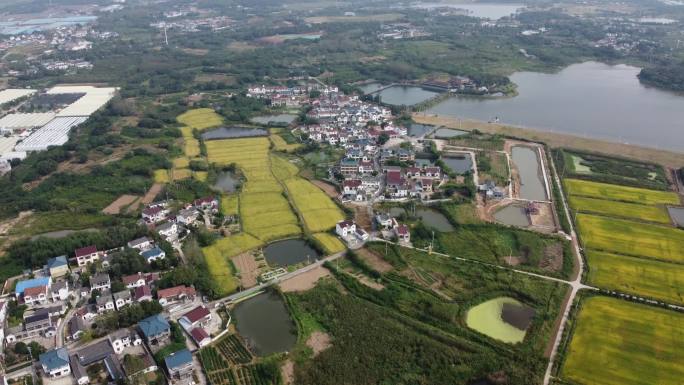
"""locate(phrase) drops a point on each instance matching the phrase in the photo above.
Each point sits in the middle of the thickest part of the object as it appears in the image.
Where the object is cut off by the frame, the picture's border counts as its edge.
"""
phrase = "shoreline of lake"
(556, 139)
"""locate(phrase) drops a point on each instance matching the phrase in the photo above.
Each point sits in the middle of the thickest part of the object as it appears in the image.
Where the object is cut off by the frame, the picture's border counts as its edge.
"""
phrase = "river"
(589, 99)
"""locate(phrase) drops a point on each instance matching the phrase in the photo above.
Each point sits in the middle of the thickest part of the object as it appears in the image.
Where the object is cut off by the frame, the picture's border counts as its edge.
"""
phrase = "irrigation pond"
(289, 252)
(265, 324)
(505, 319)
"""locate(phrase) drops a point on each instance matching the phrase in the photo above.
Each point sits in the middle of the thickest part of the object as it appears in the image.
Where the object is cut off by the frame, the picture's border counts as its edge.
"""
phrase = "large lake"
(482, 10)
(589, 99)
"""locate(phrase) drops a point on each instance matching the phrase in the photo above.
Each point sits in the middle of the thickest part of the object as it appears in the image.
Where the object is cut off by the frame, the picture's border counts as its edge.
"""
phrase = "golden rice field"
(200, 175)
(191, 147)
(610, 208)
(281, 145)
(161, 176)
(220, 270)
(282, 168)
(318, 211)
(619, 193)
(180, 173)
(182, 162)
(631, 238)
(638, 276)
(330, 243)
(229, 204)
(186, 132)
(618, 342)
(200, 118)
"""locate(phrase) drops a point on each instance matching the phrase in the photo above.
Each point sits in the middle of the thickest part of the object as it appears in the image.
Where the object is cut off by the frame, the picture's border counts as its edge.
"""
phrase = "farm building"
(23, 121)
(55, 133)
(12, 94)
(86, 105)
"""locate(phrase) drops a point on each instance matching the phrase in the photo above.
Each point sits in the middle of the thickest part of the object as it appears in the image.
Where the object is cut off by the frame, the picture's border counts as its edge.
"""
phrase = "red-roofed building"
(403, 233)
(154, 214)
(35, 295)
(206, 203)
(345, 228)
(200, 337)
(86, 255)
(142, 293)
(174, 294)
(198, 316)
(394, 178)
(134, 280)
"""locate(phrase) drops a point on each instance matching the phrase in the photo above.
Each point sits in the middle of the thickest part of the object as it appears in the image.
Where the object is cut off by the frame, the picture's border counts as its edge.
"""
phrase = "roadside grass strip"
(200, 118)
(618, 342)
(638, 276)
(620, 209)
(318, 211)
(619, 193)
(220, 270)
(330, 243)
(631, 238)
(161, 176)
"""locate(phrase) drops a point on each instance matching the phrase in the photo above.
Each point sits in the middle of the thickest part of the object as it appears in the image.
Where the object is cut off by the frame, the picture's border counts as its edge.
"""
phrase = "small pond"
(226, 182)
(416, 129)
(448, 133)
(397, 211)
(265, 324)
(233, 132)
(529, 169)
(274, 119)
(405, 95)
(459, 164)
(505, 319)
(289, 252)
(424, 162)
(513, 215)
(435, 220)
(677, 215)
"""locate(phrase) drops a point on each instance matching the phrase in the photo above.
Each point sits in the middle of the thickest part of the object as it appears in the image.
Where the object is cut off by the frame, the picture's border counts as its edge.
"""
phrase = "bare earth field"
(247, 267)
(667, 158)
(120, 202)
(327, 187)
(373, 260)
(304, 281)
(152, 193)
(318, 342)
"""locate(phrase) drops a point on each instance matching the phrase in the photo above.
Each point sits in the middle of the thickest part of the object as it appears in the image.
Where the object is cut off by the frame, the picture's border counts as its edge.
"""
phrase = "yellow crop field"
(182, 173)
(200, 175)
(200, 118)
(631, 238)
(186, 132)
(330, 243)
(618, 342)
(638, 276)
(281, 145)
(229, 204)
(182, 162)
(235, 244)
(161, 176)
(318, 211)
(220, 270)
(620, 209)
(619, 193)
(191, 147)
(282, 168)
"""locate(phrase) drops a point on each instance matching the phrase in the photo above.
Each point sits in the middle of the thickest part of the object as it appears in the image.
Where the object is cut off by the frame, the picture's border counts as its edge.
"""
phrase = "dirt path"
(152, 193)
(304, 281)
(318, 341)
(119, 203)
(287, 371)
(247, 266)
(553, 139)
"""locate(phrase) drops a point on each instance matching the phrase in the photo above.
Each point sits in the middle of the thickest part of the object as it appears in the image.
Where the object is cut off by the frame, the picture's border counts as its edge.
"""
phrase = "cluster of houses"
(411, 182)
(169, 224)
(116, 352)
(291, 97)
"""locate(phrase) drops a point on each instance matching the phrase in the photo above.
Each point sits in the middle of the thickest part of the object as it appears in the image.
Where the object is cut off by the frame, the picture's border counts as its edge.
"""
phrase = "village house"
(36, 295)
(153, 254)
(34, 325)
(179, 364)
(86, 255)
(403, 233)
(22, 286)
(345, 228)
(168, 230)
(59, 291)
(155, 329)
(78, 371)
(55, 363)
(142, 293)
(206, 203)
(134, 280)
(75, 328)
(104, 303)
(200, 337)
(197, 317)
(87, 312)
(175, 294)
(122, 339)
(141, 244)
(58, 266)
(122, 298)
(187, 216)
(100, 282)
(154, 214)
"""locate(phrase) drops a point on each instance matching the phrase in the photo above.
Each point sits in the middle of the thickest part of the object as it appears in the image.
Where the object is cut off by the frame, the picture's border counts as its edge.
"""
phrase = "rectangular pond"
(532, 184)
(458, 163)
(677, 215)
(279, 119)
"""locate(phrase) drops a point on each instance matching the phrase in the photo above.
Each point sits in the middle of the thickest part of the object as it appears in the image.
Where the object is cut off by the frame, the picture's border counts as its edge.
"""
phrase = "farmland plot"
(619, 193)
(200, 118)
(620, 209)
